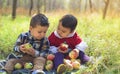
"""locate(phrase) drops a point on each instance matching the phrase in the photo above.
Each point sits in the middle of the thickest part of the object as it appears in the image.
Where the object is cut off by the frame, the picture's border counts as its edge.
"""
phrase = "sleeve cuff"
(17, 49)
(81, 46)
(36, 53)
(53, 49)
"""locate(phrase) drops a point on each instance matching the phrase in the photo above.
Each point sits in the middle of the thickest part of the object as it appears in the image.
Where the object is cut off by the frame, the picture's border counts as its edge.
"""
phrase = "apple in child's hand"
(18, 66)
(63, 47)
(28, 65)
(50, 56)
(74, 54)
(76, 65)
(28, 46)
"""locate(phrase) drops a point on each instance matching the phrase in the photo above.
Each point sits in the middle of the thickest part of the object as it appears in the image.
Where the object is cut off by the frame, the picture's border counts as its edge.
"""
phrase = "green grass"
(102, 36)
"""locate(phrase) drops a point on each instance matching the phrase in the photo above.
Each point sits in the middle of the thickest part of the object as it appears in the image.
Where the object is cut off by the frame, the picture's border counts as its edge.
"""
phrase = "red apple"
(74, 54)
(76, 65)
(50, 56)
(63, 47)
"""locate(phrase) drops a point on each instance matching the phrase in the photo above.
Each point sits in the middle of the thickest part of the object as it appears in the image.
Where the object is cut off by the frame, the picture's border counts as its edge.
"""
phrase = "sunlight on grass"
(102, 37)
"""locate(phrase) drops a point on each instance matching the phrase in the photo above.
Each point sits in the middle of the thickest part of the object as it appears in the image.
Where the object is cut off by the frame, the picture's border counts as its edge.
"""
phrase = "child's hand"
(27, 50)
(31, 51)
(22, 48)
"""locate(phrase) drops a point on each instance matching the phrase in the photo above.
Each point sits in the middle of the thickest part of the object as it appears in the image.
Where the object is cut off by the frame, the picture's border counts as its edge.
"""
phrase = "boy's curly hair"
(39, 19)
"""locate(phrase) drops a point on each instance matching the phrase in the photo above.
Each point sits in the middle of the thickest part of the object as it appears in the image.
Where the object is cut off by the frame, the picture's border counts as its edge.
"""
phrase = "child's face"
(63, 31)
(38, 32)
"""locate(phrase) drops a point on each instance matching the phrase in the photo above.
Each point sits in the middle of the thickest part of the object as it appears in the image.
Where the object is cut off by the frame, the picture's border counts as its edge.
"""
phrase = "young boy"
(66, 33)
(36, 38)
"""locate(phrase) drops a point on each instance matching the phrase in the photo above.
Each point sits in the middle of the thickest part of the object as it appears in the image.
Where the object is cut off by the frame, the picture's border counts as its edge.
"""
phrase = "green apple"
(76, 65)
(49, 62)
(18, 66)
(28, 65)
(49, 65)
(28, 46)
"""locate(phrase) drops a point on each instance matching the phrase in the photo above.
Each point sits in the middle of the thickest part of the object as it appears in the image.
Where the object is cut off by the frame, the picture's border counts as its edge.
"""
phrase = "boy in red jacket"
(66, 33)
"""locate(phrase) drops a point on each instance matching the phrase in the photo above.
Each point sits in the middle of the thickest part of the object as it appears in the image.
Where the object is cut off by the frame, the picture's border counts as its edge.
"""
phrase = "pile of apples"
(73, 63)
(49, 62)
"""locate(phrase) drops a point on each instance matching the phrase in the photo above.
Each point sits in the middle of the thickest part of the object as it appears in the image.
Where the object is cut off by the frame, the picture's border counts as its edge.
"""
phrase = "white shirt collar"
(70, 35)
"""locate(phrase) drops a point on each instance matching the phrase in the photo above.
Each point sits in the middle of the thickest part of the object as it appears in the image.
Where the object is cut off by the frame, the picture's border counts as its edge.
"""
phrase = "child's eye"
(63, 31)
(39, 32)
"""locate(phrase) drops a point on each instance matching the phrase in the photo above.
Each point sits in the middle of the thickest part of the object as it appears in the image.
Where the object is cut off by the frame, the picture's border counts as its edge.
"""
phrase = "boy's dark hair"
(39, 19)
(69, 21)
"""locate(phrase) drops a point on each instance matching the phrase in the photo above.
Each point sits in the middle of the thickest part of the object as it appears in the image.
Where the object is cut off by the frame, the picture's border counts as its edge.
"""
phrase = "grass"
(102, 36)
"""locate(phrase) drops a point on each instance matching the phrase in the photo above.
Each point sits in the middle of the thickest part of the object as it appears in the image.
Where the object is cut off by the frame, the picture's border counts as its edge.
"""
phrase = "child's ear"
(30, 28)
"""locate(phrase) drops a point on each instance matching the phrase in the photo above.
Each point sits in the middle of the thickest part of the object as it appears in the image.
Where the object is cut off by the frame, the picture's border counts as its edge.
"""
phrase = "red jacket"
(71, 41)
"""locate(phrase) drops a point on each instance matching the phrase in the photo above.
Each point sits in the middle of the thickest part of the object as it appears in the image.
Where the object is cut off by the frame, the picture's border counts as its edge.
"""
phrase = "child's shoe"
(37, 72)
(61, 69)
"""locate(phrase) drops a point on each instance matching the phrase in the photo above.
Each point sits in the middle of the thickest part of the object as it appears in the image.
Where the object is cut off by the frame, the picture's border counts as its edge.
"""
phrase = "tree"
(38, 6)
(44, 5)
(31, 7)
(14, 9)
(105, 9)
(90, 2)
(1, 2)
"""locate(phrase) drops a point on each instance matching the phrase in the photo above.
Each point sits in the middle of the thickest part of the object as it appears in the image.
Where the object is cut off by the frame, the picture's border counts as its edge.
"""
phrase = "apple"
(74, 54)
(68, 63)
(76, 65)
(50, 56)
(78, 60)
(49, 65)
(49, 62)
(18, 66)
(28, 65)
(63, 47)
(28, 46)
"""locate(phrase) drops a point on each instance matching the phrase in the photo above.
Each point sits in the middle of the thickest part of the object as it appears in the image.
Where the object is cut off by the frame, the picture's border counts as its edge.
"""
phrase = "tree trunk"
(38, 6)
(44, 6)
(31, 7)
(14, 9)
(90, 2)
(106, 7)
(1, 3)
(85, 5)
